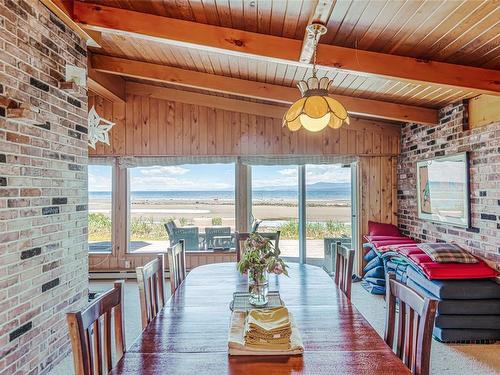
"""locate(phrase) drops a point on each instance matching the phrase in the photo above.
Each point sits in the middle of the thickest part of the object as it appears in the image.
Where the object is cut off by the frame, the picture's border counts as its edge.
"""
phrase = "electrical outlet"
(127, 264)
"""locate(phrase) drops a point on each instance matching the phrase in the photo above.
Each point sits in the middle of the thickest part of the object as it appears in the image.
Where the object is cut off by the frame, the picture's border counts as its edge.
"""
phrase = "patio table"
(190, 334)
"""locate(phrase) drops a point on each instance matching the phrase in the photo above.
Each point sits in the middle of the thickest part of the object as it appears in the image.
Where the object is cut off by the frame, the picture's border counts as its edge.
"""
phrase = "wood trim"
(256, 90)
(108, 86)
(483, 110)
(226, 40)
(265, 110)
(321, 12)
(62, 9)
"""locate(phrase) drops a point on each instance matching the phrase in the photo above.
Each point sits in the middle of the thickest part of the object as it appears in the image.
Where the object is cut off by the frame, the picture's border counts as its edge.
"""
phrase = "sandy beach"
(201, 212)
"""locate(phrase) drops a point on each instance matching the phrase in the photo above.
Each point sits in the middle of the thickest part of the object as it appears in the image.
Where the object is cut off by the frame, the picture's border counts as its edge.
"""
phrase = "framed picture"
(443, 190)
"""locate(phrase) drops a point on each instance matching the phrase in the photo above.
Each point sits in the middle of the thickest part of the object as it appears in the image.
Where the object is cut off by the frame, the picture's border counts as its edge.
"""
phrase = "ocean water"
(341, 192)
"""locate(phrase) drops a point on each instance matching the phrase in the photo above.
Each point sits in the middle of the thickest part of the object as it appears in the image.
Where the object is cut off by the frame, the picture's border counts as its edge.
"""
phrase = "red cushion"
(408, 250)
(442, 271)
(383, 238)
(381, 229)
(378, 244)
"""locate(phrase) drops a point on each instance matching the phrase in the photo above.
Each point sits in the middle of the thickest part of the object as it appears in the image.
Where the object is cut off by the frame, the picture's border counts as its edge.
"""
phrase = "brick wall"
(420, 142)
(43, 189)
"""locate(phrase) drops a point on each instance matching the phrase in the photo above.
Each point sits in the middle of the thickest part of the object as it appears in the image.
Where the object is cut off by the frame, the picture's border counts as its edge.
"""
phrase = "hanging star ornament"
(98, 128)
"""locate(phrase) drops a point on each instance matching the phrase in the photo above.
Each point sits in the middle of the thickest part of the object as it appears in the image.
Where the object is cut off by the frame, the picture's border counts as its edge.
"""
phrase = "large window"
(192, 197)
(275, 202)
(100, 188)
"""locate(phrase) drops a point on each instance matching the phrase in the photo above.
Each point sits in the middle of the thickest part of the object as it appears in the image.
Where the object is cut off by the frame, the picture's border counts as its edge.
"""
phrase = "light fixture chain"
(314, 53)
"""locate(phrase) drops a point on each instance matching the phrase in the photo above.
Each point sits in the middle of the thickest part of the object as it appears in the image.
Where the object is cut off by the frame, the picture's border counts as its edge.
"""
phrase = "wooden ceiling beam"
(321, 12)
(109, 86)
(285, 50)
(256, 90)
(235, 105)
(64, 10)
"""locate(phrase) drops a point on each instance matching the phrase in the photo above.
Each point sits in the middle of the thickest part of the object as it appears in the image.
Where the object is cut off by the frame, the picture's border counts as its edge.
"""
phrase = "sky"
(214, 177)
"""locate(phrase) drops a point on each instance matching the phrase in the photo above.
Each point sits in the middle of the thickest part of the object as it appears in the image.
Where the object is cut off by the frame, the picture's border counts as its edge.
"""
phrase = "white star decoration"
(98, 128)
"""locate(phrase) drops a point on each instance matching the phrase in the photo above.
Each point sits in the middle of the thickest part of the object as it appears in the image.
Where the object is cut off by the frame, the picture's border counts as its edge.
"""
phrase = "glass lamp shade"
(315, 110)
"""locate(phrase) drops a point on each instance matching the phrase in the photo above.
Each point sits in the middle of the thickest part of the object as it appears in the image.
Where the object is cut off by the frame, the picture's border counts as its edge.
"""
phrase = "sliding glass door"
(275, 202)
(309, 204)
(328, 210)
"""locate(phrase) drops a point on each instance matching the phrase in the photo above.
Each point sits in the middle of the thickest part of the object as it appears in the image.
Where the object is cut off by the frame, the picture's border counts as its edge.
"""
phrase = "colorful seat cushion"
(384, 238)
(447, 253)
(456, 289)
(381, 229)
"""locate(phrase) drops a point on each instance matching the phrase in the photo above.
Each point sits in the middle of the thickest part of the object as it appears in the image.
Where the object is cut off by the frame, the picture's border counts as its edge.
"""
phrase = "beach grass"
(146, 229)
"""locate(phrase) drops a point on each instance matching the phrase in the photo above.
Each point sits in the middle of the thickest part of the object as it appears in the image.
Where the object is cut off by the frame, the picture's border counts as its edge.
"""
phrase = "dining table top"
(190, 334)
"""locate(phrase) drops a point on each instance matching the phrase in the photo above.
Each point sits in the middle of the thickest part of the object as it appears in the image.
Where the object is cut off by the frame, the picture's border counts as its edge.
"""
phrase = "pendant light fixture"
(315, 110)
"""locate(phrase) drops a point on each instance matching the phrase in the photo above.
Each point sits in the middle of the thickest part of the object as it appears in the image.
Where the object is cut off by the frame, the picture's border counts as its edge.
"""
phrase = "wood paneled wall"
(152, 127)
(155, 127)
(377, 194)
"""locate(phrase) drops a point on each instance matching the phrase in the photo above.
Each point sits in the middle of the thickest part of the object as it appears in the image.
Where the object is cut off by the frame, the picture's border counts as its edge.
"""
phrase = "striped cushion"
(447, 253)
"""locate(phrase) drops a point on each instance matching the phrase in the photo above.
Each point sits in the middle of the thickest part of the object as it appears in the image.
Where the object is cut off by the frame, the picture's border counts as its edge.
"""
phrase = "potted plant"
(260, 258)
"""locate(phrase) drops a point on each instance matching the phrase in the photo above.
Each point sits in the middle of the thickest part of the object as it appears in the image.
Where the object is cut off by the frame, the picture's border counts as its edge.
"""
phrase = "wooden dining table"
(190, 335)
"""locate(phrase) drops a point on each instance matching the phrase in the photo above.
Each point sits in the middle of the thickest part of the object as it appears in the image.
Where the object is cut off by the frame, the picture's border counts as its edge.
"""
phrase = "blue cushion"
(375, 281)
(457, 289)
(370, 255)
(376, 272)
(468, 321)
(453, 335)
(373, 289)
(373, 263)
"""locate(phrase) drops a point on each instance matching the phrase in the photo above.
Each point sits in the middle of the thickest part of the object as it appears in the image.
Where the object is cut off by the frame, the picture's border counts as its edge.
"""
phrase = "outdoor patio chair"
(218, 237)
(330, 251)
(170, 226)
(191, 237)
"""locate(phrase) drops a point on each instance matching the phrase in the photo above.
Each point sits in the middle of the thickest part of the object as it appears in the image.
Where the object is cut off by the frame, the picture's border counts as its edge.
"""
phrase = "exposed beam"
(321, 12)
(226, 40)
(483, 110)
(108, 86)
(63, 10)
(256, 90)
(266, 110)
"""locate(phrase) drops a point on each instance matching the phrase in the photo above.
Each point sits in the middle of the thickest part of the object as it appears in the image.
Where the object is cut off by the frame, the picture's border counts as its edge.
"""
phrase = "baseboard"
(117, 275)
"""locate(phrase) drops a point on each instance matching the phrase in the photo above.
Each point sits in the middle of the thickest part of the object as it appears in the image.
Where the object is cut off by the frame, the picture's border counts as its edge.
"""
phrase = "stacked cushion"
(468, 310)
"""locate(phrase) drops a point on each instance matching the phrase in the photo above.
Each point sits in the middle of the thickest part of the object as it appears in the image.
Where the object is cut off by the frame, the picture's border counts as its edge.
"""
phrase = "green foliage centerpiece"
(259, 259)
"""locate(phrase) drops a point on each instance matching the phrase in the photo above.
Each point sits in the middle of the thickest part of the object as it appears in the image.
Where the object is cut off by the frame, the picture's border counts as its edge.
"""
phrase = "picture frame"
(443, 190)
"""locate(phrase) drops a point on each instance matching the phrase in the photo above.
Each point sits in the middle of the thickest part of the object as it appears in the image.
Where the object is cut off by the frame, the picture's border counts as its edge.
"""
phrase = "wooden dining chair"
(343, 268)
(241, 237)
(177, 265)
(151, 283)
(90, 333)
(415, 324)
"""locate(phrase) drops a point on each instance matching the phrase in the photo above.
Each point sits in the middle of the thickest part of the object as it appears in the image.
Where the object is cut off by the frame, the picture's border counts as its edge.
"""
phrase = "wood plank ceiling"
(459, 32)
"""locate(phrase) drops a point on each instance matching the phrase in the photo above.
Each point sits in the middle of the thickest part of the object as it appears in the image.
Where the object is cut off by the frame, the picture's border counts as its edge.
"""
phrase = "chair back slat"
(415, 321)
(177, 265)
(90, 333)
(241, 237)
(151, 283)
(343, 268)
